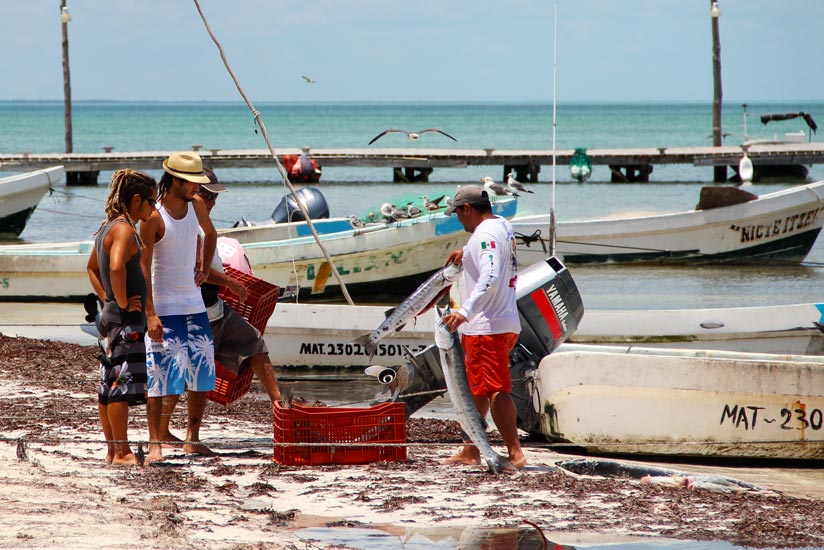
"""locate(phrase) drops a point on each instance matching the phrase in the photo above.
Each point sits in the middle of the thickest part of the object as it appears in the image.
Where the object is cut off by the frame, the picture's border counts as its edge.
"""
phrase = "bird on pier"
(515, 185)
(413, 136)
(497, 188)
(432, 204)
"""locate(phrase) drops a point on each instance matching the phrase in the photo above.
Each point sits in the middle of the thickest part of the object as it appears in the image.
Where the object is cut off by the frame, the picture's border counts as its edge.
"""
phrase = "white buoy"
(745, 170)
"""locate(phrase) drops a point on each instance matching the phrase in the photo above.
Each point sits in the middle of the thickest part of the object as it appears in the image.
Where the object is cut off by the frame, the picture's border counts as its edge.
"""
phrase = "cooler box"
(549, 306)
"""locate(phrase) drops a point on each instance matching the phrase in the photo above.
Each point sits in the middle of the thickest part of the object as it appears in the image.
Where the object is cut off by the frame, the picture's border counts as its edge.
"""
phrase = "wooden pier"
(414, 164)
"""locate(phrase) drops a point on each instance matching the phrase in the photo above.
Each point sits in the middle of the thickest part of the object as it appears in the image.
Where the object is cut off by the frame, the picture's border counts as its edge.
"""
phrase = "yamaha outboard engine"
(550, 308)
(288, 211)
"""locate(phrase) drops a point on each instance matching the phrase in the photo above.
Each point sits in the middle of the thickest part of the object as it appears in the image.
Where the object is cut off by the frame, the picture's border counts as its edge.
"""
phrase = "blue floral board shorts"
(186, 358)
(123, 366)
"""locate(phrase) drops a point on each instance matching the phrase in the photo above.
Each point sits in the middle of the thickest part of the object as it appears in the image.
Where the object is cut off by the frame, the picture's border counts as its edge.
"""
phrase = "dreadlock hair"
(124, 185)
(164, 184)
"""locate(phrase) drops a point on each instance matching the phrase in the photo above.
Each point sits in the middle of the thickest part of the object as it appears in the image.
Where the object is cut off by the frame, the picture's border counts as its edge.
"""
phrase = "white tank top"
(173, 266)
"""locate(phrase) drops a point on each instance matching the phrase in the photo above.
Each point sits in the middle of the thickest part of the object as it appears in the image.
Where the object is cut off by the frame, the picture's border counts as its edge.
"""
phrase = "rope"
(231, 443)
(281, 169)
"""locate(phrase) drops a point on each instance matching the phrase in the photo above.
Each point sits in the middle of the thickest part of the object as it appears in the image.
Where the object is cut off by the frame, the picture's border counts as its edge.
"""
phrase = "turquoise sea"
(74, 213)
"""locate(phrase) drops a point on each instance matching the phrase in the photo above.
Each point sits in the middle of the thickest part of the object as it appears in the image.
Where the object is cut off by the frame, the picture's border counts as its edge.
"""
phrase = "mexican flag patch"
(488, 244)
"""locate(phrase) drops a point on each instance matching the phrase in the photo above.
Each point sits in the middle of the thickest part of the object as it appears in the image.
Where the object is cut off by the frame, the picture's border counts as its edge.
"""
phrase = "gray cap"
(214, 186)
(467, 194)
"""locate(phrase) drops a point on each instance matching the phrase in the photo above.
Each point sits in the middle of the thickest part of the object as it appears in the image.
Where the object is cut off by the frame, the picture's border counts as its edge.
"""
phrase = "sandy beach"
(57, 491)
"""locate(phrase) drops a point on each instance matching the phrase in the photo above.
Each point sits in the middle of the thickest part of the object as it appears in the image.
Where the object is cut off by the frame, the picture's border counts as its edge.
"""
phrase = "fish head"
(451, 272)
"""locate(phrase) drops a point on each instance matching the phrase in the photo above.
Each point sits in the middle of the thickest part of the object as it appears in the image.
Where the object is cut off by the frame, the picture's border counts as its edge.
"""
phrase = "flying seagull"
(516, 185)
(413, 136)
(496, 188)
(308, 80)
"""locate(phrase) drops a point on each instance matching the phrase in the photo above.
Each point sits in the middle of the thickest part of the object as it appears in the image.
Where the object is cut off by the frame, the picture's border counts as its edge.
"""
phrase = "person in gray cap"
(488, 314)
(180, 352)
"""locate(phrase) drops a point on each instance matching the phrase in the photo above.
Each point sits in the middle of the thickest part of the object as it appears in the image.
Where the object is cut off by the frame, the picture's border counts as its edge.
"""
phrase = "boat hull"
(777, 226)
(614, 400)
(786, 329)
(19, 196)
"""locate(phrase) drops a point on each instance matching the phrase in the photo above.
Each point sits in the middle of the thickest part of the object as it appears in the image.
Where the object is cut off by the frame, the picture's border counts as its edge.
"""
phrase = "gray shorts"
(235, 340)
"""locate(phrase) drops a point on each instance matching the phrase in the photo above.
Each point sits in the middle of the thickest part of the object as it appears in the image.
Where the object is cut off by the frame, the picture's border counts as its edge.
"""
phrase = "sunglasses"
(152, 202)
(207, 195)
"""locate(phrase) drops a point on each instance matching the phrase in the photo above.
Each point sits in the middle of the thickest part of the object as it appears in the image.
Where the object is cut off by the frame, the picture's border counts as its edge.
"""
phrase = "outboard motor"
(550, 308)
(288, 211)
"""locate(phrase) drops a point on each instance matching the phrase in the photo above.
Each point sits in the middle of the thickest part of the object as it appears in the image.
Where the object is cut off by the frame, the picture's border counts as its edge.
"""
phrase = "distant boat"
(774, 166)
(777, 226)
(19, 196)
(621, 400)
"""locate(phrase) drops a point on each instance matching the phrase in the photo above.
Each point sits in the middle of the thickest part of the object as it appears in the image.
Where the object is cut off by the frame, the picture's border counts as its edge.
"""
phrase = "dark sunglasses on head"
(207, 195)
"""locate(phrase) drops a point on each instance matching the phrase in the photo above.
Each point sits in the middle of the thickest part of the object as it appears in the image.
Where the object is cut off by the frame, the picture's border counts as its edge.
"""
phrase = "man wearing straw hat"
(180, 353)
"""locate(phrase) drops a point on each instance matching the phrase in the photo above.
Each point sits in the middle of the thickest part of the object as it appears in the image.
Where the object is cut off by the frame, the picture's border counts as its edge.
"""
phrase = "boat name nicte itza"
(780, 226)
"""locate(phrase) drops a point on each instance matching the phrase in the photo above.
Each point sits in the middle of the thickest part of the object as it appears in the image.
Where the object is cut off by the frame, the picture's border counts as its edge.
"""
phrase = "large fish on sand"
(424, 297)
(454, 371)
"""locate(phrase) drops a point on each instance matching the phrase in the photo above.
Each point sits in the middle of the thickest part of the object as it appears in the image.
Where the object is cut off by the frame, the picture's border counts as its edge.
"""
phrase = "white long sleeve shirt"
(490, 270)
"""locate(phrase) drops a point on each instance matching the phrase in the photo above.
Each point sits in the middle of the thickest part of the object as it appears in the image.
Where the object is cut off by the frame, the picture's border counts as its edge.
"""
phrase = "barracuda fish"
(454, 371)
(424, 297)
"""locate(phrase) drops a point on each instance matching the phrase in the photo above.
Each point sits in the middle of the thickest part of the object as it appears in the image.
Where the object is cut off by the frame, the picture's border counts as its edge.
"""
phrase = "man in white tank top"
(180, 352)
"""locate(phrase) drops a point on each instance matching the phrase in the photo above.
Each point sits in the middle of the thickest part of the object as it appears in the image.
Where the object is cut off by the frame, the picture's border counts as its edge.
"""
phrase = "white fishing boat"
(19, 196)
(375, 259)
(308, 334)
(785, 329)
(776, 226)
(622, 400)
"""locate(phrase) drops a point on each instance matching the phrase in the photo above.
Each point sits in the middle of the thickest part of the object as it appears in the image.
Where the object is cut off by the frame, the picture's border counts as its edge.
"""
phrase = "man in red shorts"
(489, 315)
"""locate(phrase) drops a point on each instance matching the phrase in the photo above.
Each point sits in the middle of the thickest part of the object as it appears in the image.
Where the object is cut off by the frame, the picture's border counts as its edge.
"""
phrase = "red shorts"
(487, 362)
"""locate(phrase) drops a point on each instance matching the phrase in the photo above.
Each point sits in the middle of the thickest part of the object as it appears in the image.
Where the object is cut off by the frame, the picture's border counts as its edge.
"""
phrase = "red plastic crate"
(229, 387)
(261, 300)
(339, 435)
(258, 307)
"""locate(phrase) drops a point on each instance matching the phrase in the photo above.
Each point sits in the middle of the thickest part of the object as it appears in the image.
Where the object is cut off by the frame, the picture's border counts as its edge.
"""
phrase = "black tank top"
(135, 283)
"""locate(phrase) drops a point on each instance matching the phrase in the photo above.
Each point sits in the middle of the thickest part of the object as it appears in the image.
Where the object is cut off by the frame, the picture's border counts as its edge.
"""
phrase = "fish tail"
(368, 344)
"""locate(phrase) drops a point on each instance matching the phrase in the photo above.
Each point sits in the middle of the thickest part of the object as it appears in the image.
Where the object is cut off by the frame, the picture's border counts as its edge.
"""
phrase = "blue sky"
(427, 50)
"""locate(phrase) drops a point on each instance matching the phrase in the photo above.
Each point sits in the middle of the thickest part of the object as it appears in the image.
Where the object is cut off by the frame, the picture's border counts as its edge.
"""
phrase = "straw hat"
(186, 166)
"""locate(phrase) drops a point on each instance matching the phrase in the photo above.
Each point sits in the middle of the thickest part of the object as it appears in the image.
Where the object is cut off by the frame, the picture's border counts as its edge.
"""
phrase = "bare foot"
(155, 454)
(467, 455)
(109, 457)
(171, 441)
(129, 459)
(198, 448)
(518, 462)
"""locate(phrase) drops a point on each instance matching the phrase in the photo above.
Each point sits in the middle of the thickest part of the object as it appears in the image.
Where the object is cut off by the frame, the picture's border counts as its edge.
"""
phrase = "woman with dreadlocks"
(117, 278)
